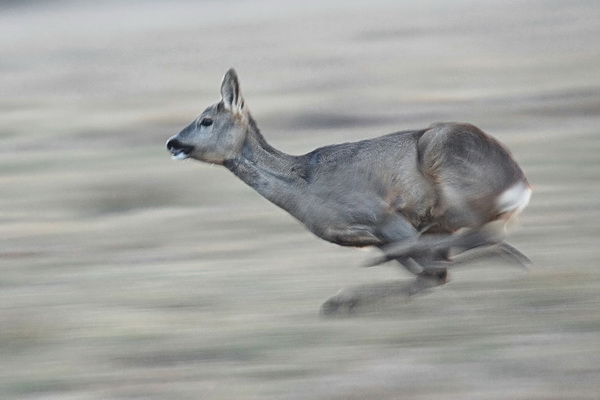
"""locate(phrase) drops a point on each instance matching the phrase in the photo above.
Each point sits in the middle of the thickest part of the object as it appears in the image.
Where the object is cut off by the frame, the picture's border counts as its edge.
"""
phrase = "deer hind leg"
(503, 250)
(426, 248)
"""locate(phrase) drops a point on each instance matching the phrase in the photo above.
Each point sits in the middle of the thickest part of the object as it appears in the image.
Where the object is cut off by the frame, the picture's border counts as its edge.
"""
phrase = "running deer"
(421, 196)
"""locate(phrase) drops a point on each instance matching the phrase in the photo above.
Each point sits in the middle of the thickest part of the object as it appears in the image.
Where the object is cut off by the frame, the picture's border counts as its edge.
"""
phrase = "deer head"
(218, 134)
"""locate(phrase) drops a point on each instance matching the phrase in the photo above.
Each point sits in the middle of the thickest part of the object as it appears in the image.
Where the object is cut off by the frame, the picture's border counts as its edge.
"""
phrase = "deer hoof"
(339, 303)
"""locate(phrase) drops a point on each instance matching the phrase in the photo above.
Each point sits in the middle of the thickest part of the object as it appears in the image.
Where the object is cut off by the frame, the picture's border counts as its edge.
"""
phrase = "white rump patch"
(514, 199)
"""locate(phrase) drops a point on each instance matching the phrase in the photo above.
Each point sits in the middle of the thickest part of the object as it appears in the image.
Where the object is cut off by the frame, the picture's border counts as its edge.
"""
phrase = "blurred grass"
(125, 275)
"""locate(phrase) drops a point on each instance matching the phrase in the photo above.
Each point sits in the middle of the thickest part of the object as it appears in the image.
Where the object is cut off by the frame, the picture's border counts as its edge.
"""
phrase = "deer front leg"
(394, 229)
(348, 300)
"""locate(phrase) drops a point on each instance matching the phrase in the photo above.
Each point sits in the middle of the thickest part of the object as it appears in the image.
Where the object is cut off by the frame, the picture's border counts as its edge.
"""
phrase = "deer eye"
(206, 122)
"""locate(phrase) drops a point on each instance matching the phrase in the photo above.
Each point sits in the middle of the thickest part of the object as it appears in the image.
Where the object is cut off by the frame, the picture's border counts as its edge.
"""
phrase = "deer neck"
(272, 173)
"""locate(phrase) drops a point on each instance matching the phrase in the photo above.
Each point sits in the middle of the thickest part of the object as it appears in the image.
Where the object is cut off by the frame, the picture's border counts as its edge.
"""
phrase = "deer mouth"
(179, 151)
(179, 155)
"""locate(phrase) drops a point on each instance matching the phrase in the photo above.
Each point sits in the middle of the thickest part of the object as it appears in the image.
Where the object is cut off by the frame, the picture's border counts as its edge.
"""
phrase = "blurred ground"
(125, 275)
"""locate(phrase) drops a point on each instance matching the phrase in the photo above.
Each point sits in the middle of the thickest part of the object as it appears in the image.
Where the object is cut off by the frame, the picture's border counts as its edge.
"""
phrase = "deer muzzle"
(179, 151)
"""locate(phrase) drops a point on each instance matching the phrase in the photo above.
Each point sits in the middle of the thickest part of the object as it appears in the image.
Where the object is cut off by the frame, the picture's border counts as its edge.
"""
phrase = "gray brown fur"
(417, 195)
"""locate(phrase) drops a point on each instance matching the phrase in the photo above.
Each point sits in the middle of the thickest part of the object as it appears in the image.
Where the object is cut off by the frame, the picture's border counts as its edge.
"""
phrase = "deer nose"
(179, 149)
(173, 144)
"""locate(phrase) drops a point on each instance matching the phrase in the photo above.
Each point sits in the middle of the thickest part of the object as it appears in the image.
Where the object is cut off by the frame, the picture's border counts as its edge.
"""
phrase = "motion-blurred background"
(125, 275)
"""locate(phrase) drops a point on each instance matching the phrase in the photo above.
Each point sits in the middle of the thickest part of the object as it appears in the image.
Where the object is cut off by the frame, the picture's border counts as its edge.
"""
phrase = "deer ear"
(230, 92)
